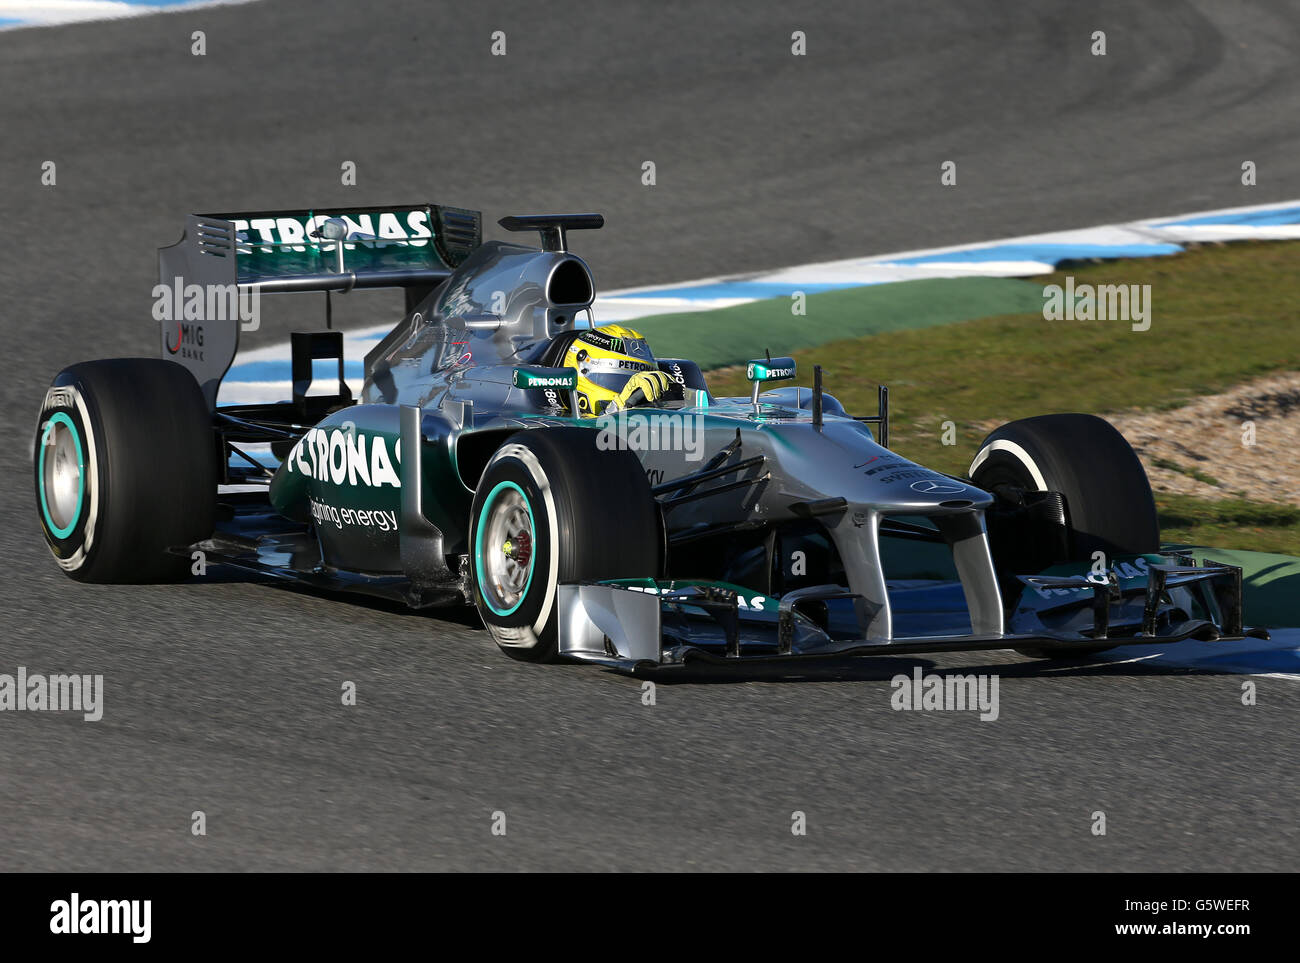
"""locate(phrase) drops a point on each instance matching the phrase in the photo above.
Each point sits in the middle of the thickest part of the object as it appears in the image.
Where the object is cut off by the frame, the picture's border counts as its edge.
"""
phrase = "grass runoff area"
(1220, 315)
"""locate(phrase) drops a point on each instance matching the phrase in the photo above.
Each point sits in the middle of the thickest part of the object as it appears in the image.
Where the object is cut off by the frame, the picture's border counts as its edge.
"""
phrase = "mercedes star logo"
(937, 486)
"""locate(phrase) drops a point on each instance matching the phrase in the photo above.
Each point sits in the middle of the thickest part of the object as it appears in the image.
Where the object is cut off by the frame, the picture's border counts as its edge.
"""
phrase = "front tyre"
(125, 469)
(552, 508)
(1109, 507)
(1108, 498)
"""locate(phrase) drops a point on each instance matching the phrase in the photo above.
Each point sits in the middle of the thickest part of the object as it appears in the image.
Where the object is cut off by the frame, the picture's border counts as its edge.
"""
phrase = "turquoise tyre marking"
(59, 418)
(478, 546)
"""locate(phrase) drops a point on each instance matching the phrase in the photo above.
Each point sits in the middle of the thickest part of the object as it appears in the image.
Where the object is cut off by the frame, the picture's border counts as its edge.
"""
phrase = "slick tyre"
(551, 508)
(125, 467)
(1108, 502)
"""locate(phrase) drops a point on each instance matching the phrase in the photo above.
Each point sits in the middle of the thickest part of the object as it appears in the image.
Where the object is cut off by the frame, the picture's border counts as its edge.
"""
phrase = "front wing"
(631, 625)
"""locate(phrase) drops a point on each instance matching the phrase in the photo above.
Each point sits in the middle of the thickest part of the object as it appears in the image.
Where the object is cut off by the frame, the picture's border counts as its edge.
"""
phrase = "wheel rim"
(61, 469)
(504, 548)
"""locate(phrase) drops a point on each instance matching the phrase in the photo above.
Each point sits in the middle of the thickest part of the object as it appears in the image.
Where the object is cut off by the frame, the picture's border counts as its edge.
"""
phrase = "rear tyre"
(125, 468)
(551, 508)
(1108, 502)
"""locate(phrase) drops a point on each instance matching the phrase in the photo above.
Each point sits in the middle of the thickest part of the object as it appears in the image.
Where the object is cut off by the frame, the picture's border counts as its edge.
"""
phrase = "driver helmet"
(606, 359)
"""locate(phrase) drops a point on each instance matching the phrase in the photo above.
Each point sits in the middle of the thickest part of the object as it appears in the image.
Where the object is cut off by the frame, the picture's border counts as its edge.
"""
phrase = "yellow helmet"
(607, 359)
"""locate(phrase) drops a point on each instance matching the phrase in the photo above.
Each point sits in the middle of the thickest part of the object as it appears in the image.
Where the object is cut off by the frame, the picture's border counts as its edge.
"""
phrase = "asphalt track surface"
(224, 695)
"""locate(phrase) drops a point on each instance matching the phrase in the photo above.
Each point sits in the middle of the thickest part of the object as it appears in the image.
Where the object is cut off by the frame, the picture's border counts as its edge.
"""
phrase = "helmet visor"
(612, 373)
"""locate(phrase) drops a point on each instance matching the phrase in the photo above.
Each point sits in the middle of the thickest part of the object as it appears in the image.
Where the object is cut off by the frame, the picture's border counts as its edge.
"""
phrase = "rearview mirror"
(770, 369)
(767, 369)
(550, 380)
(535, 376)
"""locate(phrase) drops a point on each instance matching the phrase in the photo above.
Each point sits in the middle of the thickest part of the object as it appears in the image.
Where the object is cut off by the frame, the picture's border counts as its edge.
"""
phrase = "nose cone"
(939, 492)
(842, 460)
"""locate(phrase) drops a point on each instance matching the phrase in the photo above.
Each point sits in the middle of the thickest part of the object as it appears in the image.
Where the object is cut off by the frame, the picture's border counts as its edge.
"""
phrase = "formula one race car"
(498, 457)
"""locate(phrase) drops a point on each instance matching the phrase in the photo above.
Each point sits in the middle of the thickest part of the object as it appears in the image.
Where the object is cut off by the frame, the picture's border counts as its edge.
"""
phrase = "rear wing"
(227, 260)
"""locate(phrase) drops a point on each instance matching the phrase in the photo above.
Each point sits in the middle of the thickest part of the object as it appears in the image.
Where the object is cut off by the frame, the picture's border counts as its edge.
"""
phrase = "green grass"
(734, 335)
(1189, 471)
(1220, 316)
(1237, 523)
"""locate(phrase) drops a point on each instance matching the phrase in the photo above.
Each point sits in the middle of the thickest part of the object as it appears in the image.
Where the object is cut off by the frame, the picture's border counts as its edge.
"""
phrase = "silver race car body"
(786, 527)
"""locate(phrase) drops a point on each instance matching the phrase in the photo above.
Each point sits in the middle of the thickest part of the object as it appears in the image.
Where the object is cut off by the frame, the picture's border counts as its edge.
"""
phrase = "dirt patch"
(1204, 449)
